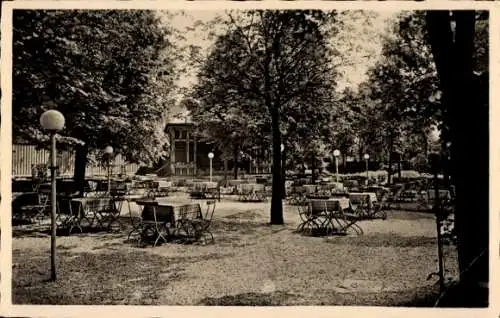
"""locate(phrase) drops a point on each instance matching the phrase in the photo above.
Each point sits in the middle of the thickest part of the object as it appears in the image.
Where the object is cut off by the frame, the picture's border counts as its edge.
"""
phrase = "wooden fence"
(25, 156)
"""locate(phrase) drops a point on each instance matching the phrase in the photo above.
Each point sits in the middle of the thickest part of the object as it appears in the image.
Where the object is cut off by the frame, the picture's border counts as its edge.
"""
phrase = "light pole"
(108, 151)
(53, 121)
(210, 156)
(366, 156)
(336, 154)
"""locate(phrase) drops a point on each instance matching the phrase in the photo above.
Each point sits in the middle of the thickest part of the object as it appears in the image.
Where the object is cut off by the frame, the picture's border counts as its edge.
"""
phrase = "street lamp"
(108, 151)
(53, 121)
(366, 156)
(336, 154)
(210, 156)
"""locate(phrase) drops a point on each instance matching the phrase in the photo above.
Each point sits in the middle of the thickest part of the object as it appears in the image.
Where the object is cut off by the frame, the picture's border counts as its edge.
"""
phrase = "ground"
(251, 263)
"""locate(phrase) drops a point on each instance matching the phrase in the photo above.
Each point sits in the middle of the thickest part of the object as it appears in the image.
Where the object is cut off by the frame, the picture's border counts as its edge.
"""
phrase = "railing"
(25, 156)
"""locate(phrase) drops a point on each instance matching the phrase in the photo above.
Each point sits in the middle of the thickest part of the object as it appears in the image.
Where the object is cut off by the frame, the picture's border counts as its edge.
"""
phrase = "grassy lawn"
(251, 263)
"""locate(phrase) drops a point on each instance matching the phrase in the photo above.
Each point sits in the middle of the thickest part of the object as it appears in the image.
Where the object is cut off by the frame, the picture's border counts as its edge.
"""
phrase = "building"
(188, 155)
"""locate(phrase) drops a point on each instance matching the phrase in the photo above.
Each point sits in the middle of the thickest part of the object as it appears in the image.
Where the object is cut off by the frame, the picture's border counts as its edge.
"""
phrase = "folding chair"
(259, 193)
(309, 219)
(107, 212)
(349, 220)
(135, 221)
(202, 225)
(36, 207)
(379, 208)
(189, 214)
(245, 191)
(66, 217)
(360, 205)
(212, 191)
(154, 224)
(297, 196)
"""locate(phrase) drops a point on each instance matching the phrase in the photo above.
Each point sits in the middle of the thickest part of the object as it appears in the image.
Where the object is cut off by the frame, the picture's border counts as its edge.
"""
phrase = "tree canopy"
(268, 80)
(102, 69)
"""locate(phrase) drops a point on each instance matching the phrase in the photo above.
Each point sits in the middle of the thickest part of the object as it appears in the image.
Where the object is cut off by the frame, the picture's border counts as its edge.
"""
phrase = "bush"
(143, 170)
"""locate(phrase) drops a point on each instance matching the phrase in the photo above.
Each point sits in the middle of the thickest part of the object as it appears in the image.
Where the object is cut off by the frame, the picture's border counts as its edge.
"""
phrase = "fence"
(25, 156)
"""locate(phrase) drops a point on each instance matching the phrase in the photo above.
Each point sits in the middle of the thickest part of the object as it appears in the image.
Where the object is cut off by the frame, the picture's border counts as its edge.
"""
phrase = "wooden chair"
(153, 223)
(30, 207)
(379, 207)
(202, 225)
(245, 191)
(297, 196)
(66, 216)
(185, 224)
(348, 220)
(107, 212)
(212, 191)
(360, 205)
(310, 220)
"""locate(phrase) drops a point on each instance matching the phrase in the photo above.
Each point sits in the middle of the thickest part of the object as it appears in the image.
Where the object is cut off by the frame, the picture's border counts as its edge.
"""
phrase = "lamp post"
(108, 151)
(336, 154)
(366, 156)
(210, 156)
(53, 121)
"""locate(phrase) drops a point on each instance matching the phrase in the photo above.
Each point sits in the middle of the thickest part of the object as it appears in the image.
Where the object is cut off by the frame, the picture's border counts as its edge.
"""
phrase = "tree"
(270, 67)
(403, 85)
(452, 38)
(102, 70)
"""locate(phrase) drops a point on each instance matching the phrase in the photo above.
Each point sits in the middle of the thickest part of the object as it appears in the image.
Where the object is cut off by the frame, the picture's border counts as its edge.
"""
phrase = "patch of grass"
(249, 299)
(384, 240)
(92, 278)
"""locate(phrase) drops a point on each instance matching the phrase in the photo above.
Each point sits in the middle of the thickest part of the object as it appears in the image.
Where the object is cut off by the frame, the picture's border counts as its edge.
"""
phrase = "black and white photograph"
(250, 157)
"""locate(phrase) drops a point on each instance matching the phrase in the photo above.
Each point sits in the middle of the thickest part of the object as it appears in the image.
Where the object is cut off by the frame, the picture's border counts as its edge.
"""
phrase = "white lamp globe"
(282, 147)
(366, 156)
(336, 152)
(108, 150)
(210, 155)
(52, 120)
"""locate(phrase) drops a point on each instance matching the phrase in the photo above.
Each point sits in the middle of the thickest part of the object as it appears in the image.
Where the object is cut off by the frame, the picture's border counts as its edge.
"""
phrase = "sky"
(359, 42)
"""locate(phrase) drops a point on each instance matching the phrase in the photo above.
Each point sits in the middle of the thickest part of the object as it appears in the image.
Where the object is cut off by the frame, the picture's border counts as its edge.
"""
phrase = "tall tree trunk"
(391, 147)
(225, 169)
(276, 199)
(426, 144)
(313, 168)
(235, 162)
(399, 166)
(454, 62)
(80, 166)
(283, 172)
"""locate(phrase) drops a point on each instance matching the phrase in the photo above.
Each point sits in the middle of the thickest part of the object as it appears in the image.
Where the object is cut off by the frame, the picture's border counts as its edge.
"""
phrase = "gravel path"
(251, 263)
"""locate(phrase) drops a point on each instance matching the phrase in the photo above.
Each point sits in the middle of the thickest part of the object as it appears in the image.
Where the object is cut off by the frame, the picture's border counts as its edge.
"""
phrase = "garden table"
(334, 210)
(331, 203)
(363, 202)
(28, 205)
(159, 217)
(162, 184)
(309, 188)
(335, 186)
(443, 194)
(356, 197)
(99, 208)
(409, 195)
(251, 192)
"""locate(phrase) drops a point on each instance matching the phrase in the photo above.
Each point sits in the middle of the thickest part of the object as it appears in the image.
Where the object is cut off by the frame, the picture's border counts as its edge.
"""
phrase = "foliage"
(268, 76)
(101, 69)
(230, 90)
(399, 107)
